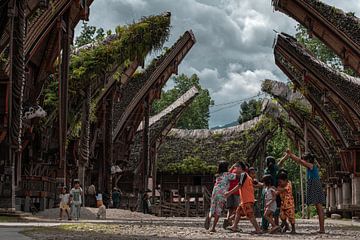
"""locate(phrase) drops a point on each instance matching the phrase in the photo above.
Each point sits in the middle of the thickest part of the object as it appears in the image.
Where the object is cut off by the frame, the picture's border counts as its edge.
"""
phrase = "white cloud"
(233, 52)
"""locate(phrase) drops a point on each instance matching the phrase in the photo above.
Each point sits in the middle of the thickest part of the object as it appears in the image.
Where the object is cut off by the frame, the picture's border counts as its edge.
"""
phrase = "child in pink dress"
(218, 199)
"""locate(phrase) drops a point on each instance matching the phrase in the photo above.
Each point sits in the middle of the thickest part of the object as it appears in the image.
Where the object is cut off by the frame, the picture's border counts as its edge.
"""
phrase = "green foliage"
(190, 165)
(249, 110)
(89, 34)
(196, 116)
(132, 42)
(51, 95)
(320, 50)
(87, 68)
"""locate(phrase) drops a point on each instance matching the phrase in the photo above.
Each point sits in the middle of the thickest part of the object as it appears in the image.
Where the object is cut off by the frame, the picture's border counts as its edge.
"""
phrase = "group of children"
(235, 188)
(70, 202)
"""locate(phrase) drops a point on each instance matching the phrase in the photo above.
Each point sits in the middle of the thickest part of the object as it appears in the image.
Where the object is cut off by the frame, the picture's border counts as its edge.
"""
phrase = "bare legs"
(269, 217)
(320, 212)
(61, 213)
(216, 219)
(255, 224)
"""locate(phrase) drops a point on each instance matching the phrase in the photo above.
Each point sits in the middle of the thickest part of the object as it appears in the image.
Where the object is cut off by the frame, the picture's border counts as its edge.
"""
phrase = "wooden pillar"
(332, 198)
(346, 193)
(306, 143)
(15, 92)
(301, 186)
(338, 193)
(146, 144)
(154, 171)
(8, 191)
(355, 190)
(108, 143)
(63, 89)
(328, 196)
(306, 139)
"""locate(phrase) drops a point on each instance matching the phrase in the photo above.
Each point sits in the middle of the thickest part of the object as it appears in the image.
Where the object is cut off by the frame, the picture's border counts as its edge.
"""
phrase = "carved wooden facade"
(33, 34)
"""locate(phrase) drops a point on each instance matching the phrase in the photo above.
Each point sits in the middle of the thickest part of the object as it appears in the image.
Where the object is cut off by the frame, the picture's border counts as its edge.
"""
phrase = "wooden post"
(306, 141)
(9, 161)
(63, 90)
(146, 144)
(154, 171)
(301, 186)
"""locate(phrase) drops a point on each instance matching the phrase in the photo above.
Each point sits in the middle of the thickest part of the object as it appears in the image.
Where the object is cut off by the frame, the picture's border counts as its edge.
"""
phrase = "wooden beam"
(336, 39)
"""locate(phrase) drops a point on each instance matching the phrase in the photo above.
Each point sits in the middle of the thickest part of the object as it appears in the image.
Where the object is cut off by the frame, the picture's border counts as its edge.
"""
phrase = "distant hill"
(226, 125)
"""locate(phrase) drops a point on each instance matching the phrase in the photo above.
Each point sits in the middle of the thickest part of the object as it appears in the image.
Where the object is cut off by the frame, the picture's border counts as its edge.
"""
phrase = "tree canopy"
(249, 110)
(196, 116)
(89, 34)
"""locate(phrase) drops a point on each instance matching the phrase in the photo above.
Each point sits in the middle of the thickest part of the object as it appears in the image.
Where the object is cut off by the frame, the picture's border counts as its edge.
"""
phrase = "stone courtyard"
(123, 224)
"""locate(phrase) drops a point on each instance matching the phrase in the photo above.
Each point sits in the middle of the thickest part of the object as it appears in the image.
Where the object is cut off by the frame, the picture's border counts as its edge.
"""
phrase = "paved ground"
(12, 233)
(128, 225)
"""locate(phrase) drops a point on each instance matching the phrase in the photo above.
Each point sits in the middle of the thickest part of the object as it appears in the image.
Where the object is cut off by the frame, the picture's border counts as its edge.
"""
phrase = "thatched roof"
(299, 109)
(160, 124)
(347, 23)
(346, 86)
(319, 82)
(208, 133)
(135, 89)
(181, 102)
(211, 146)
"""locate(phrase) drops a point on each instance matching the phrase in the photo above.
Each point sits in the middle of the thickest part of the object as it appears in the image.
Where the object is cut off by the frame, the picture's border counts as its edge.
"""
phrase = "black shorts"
(233, 201)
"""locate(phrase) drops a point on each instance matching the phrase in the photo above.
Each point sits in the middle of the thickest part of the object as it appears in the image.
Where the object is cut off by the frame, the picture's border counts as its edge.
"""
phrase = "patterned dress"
(314, 193)
(221, 186)
(287, 209)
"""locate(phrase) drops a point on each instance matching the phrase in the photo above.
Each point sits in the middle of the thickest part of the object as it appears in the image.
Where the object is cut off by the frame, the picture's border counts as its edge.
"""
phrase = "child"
(64, 203)
(247, 198)
(287, 209)
(218, 198)
(233, 201)
(270, 202)
(75, 194)
(101, 214)
(315, 194)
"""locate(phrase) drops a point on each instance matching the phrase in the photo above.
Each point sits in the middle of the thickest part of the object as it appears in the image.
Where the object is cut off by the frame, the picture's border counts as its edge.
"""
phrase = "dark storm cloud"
(234, 51)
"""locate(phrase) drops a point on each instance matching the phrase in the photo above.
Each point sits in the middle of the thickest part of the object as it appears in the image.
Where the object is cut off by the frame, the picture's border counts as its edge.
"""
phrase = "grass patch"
(9, 219)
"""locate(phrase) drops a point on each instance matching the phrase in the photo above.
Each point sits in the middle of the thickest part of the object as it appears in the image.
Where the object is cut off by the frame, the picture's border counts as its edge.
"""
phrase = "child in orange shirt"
(287, 209)
(247, 198)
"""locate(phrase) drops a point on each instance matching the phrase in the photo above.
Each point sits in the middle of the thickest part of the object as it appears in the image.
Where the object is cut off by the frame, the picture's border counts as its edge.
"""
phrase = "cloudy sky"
(233, 53)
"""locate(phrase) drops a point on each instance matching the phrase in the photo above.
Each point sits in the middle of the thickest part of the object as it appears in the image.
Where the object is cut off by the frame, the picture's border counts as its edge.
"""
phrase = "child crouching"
(218, 198)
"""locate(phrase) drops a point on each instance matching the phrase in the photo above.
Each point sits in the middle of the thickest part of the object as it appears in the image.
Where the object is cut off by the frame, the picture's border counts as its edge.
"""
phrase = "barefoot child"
(218, 198)
(270, 202)
(64, 203)
(287, 209)
(247, 198)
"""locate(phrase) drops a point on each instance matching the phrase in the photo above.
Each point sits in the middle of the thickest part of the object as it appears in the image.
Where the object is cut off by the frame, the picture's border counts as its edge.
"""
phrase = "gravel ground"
(90, 214)
(130, 225)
